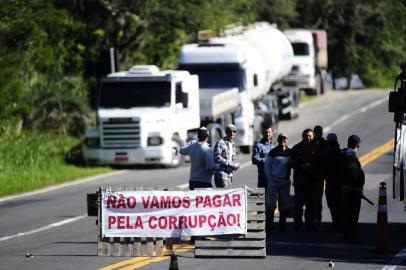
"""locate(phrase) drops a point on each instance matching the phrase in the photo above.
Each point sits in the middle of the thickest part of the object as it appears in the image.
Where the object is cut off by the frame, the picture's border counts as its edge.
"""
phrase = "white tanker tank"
(271, 44)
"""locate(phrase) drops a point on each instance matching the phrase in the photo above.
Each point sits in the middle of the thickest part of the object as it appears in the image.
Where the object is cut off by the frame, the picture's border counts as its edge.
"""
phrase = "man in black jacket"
(353, 178)
(331, 167)
(304, 181)
(320, 145)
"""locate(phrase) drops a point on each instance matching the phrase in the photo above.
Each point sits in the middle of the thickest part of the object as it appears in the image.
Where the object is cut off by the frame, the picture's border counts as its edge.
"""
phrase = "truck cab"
(304, 57)
(143, 117)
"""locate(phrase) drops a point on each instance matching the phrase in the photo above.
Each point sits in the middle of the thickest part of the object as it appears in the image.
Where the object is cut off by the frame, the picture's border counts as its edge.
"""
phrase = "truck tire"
(177, 159)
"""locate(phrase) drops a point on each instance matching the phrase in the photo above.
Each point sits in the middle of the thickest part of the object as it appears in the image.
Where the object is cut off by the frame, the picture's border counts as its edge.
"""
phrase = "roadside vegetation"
(50, 51)
(31, 160)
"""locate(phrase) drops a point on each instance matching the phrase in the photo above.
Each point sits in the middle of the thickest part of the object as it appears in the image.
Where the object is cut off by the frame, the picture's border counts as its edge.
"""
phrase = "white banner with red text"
(174, 213)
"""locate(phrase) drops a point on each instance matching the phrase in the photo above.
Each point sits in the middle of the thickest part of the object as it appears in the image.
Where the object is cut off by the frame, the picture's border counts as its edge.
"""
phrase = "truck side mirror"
(393, 101)
(255, 80)
(185, 100)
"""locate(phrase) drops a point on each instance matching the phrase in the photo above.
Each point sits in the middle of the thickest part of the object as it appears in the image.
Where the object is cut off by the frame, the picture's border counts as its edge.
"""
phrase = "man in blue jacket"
(260, 153)
(202, 162)
(277, 171)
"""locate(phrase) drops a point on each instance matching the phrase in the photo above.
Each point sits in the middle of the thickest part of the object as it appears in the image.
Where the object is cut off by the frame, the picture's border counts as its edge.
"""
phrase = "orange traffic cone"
(381, 244)
(173, 265)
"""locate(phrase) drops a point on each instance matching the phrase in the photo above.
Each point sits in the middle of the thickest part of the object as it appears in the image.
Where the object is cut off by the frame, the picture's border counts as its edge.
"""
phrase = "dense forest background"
(49, 47)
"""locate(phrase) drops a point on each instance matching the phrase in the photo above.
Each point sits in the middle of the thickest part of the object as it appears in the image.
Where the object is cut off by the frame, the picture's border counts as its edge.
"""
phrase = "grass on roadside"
(31, 161)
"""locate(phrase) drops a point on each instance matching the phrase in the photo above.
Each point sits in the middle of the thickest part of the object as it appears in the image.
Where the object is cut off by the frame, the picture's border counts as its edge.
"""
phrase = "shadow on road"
(326, 246)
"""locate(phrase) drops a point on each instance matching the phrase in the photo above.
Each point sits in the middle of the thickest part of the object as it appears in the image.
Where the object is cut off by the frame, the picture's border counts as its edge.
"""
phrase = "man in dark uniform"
(353, 178)
(303, 180)
(320, 145)
(260, 153)
(331, 166)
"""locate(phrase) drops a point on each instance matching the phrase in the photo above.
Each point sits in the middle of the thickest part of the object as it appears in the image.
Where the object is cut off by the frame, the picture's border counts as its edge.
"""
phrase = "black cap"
(332, 137)
(354, 140)
(203, 133)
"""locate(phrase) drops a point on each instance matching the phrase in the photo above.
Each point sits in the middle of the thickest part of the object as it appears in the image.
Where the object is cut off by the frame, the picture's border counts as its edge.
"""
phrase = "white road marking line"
(68, 184)
(47, 227)
(397, 260)
(360, 110)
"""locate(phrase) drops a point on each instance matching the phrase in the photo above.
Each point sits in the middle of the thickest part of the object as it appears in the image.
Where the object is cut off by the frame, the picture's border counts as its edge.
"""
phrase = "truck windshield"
(300, 49)
(217, 75)
(135, 94)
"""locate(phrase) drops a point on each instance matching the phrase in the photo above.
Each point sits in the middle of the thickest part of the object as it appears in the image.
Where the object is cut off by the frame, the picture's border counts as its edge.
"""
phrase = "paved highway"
(52, 225)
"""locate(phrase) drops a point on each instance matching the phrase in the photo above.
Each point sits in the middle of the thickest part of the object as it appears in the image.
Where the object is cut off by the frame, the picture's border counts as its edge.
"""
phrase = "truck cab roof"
(142, 72)
(299, 35)
(218, 50)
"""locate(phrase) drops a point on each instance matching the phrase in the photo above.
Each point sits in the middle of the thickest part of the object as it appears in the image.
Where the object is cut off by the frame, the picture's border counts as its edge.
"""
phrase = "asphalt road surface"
(52, 224)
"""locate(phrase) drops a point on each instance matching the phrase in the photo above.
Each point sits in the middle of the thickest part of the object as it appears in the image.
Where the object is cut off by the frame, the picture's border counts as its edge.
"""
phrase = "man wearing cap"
(277, 171)
(331, 164)
(260, 153)
(225, 157)
(353, 178)
(202, 162)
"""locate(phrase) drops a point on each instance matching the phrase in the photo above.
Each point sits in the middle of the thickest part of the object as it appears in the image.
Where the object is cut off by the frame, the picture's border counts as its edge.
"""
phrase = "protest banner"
(173, 213)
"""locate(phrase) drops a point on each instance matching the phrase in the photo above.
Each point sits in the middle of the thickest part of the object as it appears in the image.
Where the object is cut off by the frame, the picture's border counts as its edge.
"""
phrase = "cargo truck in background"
(310, 59)
(144, 116)
(253, 61)
(397, 105)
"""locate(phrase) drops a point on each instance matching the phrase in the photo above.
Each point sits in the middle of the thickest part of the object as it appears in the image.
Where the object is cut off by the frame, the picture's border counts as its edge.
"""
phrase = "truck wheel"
(177, 159)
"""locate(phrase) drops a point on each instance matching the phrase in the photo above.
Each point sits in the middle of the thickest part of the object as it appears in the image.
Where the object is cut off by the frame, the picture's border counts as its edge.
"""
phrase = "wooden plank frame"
(253, 244)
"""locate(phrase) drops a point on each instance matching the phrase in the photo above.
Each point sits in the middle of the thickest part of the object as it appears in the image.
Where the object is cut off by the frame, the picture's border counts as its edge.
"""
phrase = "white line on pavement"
(397, 260)
(47, 227)
(69, 184)
(360, 110)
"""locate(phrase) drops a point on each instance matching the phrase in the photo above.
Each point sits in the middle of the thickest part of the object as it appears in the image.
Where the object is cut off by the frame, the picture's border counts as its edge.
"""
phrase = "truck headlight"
(92, 142)
(155, 140)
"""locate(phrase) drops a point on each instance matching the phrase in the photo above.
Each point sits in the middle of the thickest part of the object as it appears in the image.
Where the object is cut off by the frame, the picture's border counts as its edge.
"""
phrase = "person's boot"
(269, 220)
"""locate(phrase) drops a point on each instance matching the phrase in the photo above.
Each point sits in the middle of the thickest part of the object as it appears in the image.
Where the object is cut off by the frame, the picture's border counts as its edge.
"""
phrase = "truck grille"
(121, 133)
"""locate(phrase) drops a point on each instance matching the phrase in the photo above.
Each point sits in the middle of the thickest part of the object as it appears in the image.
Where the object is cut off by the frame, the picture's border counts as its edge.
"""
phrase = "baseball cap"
(231, 128)
(332, 137)
(282, 136)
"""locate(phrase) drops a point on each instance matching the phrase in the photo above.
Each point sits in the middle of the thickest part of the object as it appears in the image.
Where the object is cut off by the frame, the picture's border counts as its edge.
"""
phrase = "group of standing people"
(318, 165)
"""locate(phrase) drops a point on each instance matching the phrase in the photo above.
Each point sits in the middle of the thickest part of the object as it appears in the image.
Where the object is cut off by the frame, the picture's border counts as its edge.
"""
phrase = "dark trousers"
(196, 184)
(318, 198)
(333, 197)
(351, 205)
(304, 196)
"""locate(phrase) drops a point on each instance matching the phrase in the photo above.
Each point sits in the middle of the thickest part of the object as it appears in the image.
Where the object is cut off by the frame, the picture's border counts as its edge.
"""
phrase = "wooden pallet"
(251, 245)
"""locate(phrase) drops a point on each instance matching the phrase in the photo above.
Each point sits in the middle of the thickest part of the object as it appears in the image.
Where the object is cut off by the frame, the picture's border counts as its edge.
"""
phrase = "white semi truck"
(256, 61)
(144, 116)
(310, 58)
